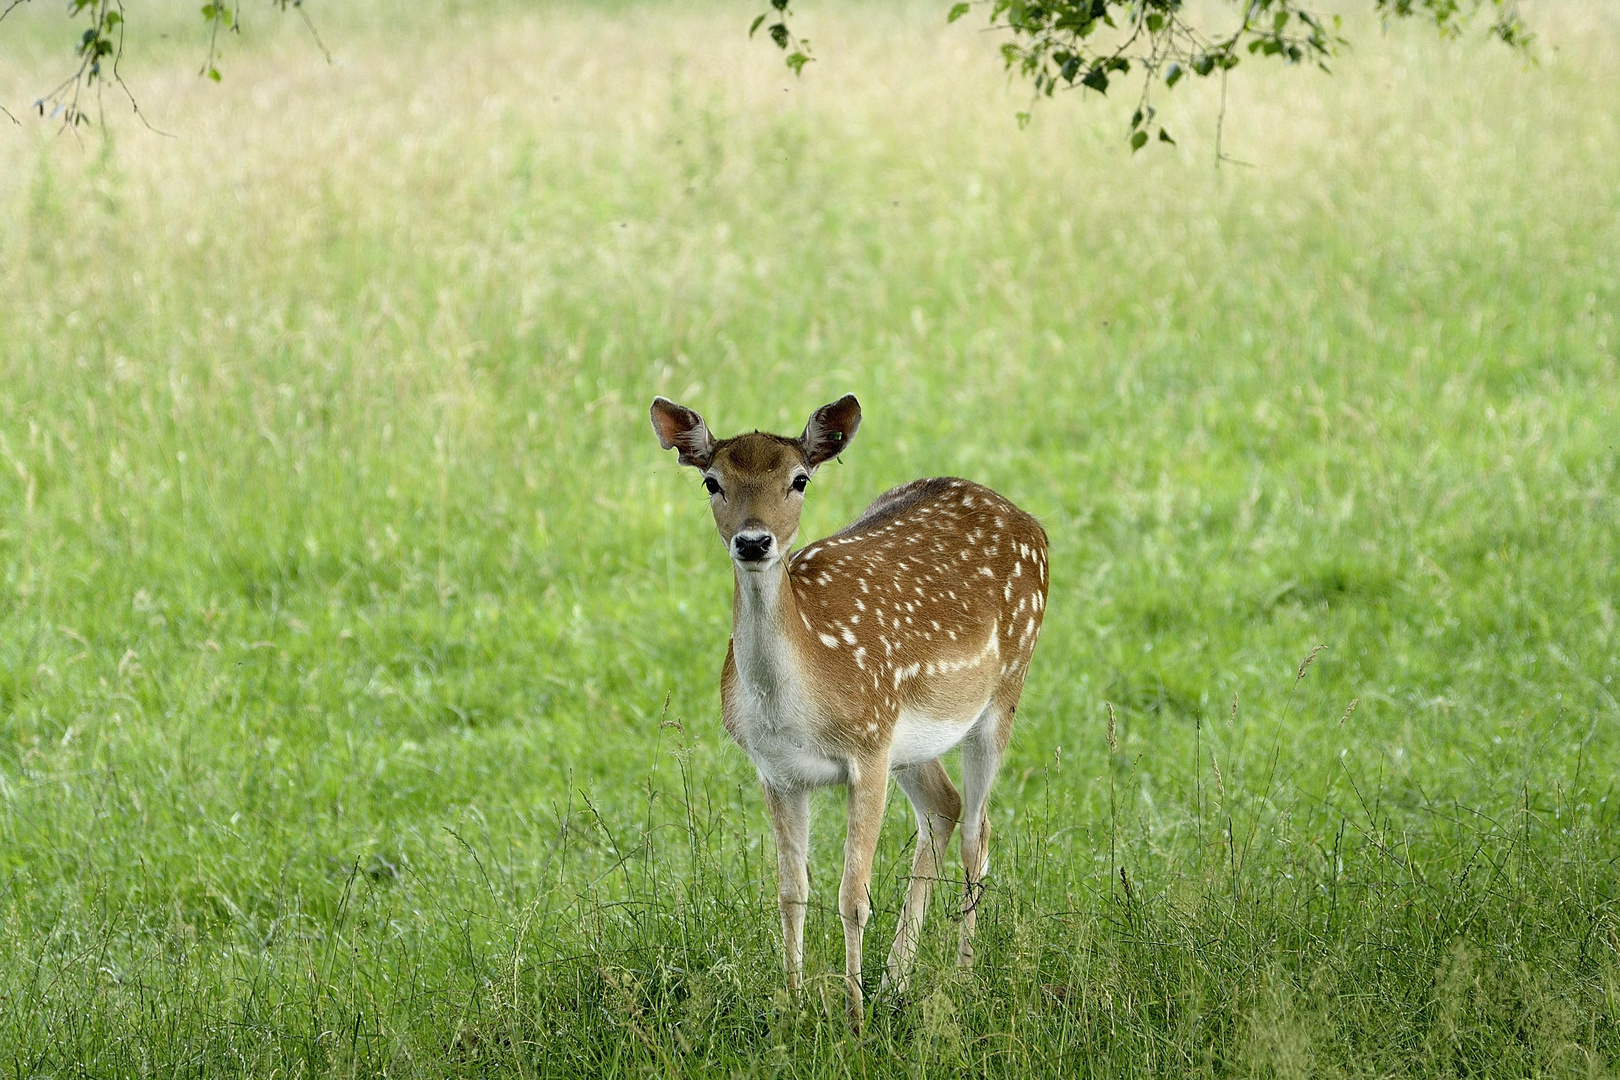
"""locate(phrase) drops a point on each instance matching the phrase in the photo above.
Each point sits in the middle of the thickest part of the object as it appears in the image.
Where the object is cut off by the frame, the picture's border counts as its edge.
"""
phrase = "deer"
(865, 655)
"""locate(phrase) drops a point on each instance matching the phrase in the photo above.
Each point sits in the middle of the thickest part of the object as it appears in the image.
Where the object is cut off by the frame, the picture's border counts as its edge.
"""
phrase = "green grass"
(343, 585)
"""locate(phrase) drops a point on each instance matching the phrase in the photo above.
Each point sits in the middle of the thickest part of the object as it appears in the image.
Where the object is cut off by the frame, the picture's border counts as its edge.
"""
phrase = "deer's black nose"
(752, 547)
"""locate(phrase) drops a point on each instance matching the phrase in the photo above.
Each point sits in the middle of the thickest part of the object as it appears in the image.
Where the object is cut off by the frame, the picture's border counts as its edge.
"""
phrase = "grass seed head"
(1348, 710)
(1307, 662)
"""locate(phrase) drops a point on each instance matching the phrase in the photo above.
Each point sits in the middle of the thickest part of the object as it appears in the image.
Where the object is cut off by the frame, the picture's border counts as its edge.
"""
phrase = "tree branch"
(1050, 42)
(104, 37)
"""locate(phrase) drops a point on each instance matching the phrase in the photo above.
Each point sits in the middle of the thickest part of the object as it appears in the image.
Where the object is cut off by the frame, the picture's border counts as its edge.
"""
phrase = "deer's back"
(928, 602)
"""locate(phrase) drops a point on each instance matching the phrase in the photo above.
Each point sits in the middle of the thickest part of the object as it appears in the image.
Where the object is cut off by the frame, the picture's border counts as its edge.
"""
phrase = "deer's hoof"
(854, 1005)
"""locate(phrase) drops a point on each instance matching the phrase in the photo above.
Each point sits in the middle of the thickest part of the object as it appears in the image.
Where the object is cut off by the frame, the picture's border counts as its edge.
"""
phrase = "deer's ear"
(679, 428)
(830, 430)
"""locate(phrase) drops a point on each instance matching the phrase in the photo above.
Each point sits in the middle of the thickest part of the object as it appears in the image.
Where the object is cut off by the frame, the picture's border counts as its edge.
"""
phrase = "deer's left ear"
(830, 430)
(679, 428)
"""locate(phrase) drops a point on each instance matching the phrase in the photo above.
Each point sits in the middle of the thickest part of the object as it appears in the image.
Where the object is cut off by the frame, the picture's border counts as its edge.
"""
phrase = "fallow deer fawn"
(870, 652)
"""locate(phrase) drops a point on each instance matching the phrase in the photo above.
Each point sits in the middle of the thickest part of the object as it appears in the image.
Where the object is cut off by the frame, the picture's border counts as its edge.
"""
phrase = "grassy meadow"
(359, 648)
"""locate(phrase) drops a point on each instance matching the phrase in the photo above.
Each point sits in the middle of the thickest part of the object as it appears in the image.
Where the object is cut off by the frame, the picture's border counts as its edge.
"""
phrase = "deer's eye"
(801, 482)
(711, 485)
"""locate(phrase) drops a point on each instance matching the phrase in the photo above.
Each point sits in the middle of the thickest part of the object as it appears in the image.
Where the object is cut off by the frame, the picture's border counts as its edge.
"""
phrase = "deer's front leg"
(790, 822)
(868, 787)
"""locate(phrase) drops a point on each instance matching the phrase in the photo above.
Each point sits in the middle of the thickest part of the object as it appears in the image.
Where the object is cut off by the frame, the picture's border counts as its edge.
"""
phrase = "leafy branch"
(797, 48)
(1092, 44)
(100, 47)
(98, 51)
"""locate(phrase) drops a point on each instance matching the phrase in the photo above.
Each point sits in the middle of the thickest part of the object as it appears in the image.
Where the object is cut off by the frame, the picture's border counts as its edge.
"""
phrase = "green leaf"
(779, 5)
(1164, 136)
(796, 61)
(1154, 22)
(213, 72)
(1138, 141)
(1023, 120)
(755, 26)
(957, 11)
(1174, 75)
(1097, 79)
(779, 34)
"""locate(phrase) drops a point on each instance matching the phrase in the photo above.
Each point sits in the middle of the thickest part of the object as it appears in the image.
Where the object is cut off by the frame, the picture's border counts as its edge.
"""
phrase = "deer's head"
(756, 481)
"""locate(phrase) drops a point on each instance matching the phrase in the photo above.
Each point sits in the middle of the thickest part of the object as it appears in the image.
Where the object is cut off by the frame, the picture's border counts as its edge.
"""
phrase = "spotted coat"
(929, 605)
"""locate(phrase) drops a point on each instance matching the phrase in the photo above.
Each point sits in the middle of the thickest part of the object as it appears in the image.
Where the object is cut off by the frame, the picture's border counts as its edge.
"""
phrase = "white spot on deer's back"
(829, 641)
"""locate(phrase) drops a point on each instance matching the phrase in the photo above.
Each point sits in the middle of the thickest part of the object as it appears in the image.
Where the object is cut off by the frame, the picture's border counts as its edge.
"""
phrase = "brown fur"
(922, 615)
(914, 588)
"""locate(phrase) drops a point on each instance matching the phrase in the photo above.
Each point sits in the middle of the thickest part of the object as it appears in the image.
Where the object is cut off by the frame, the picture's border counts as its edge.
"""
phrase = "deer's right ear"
(679, 428)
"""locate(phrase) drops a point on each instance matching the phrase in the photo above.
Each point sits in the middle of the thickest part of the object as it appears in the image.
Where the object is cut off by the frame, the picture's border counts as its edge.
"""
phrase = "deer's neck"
(764, 622)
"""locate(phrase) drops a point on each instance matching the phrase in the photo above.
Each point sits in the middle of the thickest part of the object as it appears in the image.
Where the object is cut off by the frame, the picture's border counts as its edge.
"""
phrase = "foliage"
(1088, 44)
(101, 46)
(1092, 44)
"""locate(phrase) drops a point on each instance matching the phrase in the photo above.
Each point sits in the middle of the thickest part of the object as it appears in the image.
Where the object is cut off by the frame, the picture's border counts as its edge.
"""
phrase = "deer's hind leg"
(982, 751)
(937, 806)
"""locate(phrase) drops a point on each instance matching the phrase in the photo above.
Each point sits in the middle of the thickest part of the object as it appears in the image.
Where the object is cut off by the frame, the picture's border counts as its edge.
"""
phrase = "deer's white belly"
(923, 736)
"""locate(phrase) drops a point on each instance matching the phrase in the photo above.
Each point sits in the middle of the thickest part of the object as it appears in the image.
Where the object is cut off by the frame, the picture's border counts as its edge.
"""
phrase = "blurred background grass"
(344, 585)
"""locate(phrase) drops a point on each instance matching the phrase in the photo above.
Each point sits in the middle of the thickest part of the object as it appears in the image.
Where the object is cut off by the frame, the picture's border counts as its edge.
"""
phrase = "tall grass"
(359, 650)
